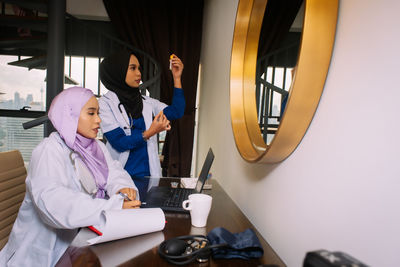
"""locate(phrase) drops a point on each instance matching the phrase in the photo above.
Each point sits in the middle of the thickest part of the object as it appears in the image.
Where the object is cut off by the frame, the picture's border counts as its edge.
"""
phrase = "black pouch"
(243, 245)
(324, 258)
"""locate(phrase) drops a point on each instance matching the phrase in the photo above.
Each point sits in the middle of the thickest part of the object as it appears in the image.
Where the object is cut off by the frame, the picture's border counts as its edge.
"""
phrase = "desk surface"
(142, 250)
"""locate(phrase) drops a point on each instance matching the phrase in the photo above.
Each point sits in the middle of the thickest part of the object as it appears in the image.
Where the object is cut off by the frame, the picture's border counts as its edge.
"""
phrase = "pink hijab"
(64, 114)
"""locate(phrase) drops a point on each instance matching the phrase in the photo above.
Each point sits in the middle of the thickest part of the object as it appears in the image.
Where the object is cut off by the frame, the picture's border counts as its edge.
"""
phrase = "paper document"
(129, 222)
(111, 255)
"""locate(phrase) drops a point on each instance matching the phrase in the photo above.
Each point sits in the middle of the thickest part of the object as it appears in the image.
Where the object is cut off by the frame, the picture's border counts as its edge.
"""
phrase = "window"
(20, 87)
(14, 136)
(83, 71)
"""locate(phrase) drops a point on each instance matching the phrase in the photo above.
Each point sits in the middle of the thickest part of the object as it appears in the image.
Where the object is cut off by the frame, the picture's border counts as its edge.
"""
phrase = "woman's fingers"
(177, 62)
(159, 116)
(130, 192)
(161, 123)
(129, 204)
(163, 118)
(134, 204)
(166, 123)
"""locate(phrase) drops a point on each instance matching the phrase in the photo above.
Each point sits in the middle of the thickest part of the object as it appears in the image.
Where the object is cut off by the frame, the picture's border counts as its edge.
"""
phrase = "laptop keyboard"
(177, 196)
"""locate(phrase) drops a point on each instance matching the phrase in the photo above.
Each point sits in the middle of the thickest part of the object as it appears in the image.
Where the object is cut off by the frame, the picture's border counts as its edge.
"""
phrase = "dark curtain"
(161, 28)
(279, 16)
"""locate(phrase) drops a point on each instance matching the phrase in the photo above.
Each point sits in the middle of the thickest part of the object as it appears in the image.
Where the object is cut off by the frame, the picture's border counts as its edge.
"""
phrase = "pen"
(125, 196)
(95, 230)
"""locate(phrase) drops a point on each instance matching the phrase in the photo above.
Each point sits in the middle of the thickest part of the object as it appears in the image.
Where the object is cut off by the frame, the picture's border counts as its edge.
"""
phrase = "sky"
(19, 79)
(13, 79)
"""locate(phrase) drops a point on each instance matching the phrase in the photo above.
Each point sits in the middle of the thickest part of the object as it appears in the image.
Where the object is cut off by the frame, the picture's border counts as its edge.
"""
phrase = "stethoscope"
(130, 122)
(84, 176)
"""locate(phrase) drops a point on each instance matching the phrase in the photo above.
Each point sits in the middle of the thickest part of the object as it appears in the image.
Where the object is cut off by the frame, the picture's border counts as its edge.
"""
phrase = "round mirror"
(278, 48)
(306, 86)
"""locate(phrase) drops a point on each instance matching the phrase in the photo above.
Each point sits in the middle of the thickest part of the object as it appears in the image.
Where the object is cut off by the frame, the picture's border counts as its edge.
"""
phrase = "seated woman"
(71, 180)
(130, 121)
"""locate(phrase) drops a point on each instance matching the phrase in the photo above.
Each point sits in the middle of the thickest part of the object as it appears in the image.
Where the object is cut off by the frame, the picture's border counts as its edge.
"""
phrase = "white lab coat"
(55, 205)
(112, 117)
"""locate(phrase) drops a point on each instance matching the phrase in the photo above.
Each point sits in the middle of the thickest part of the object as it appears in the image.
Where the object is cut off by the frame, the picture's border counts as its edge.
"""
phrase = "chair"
(12, 191)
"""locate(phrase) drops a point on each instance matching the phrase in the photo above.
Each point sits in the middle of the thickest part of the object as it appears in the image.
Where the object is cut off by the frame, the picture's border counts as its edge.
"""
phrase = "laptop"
(170, 199)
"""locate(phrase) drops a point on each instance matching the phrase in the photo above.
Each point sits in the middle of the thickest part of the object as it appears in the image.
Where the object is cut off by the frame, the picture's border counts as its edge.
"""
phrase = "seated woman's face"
(89, 120)
(133, 75)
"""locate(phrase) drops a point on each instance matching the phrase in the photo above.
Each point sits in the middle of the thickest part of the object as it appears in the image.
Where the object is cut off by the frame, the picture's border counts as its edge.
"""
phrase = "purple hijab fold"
(64, 114)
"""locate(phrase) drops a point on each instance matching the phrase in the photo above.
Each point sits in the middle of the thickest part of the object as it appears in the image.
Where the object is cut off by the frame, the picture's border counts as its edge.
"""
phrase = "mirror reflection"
(278, 50)
(310, 66)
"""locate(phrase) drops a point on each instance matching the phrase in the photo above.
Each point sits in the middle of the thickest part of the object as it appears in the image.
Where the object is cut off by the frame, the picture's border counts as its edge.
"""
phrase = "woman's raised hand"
(176, 66)
(176, 69)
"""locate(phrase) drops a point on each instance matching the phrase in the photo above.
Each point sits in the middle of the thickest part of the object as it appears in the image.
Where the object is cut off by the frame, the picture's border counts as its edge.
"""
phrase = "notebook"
(170, 199)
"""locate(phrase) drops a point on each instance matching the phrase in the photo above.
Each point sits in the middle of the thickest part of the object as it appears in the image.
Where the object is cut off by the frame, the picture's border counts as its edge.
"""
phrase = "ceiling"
(87, 9)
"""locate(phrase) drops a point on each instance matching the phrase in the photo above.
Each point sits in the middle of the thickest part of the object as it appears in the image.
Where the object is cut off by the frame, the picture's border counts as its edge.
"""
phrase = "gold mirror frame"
(312, 66)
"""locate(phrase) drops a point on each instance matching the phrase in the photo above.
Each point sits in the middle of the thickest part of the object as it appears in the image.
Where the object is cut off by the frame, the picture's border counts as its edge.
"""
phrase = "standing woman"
(127, 116)
(71, 180)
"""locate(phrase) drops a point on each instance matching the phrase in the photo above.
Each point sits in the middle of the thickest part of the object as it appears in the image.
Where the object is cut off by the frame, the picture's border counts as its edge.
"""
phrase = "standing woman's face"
(133, 75)
(89, 120)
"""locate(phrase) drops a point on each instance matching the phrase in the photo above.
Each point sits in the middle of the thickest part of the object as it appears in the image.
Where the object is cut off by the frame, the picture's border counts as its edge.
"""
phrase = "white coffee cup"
(199, 206)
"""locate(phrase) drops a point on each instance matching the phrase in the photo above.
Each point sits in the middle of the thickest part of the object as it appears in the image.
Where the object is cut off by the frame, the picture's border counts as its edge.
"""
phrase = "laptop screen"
(204, 171)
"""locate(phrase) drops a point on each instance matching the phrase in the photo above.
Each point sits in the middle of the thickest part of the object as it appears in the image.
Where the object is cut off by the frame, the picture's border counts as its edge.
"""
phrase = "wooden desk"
(142, 250)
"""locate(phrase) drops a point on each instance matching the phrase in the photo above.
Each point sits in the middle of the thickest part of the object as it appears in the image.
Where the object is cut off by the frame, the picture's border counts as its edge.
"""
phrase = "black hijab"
(113, 73)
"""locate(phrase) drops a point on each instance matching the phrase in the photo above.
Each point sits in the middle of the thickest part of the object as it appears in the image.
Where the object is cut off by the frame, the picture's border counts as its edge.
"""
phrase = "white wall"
(340, 190)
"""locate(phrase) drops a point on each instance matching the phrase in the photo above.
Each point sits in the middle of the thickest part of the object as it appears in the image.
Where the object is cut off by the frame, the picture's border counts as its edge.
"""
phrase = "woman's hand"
(159, 124)
(134, 204)
(131, 193)
(177, 69)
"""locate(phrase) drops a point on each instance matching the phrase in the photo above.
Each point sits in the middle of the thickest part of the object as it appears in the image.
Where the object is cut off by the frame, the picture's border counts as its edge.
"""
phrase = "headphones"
(185, 249)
